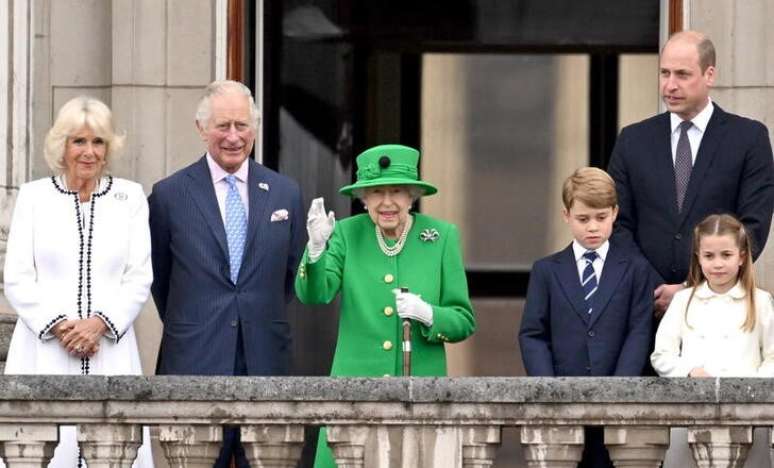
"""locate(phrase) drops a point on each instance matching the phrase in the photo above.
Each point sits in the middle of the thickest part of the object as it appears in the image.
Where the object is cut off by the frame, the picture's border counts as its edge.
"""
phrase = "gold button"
(387, 345)
(388, 311)
(388, 278)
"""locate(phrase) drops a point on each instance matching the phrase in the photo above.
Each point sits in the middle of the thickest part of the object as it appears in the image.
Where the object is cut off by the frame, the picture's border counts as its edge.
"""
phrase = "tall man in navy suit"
(227, 235)
(674, 169)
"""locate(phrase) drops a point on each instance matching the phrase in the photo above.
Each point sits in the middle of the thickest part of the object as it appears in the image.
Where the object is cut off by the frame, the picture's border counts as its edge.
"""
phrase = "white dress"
(52, 234)
(710, 336)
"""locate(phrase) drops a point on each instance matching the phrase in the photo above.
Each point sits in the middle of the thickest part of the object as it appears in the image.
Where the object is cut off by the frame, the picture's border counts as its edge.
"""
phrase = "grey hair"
(220, 88)
(415, 192)
(75, 114)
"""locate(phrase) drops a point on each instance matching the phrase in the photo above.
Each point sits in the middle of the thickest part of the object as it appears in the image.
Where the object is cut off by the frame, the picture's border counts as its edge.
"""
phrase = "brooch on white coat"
(429, 235)
(279, 215)
(121, 196)
(263, 186)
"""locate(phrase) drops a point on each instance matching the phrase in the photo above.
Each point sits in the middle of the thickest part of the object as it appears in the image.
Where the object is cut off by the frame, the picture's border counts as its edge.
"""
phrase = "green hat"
(388, 165)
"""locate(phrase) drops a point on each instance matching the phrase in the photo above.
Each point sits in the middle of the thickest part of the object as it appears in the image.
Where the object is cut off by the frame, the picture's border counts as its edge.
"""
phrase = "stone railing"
(436, 422)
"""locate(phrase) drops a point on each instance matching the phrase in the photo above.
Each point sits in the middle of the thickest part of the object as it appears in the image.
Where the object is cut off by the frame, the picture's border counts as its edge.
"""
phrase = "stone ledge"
(406, 390)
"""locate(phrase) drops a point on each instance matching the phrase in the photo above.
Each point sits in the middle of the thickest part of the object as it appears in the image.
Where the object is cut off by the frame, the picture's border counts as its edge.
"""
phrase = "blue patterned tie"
(683, 163)
(236, 227)
(589, 278)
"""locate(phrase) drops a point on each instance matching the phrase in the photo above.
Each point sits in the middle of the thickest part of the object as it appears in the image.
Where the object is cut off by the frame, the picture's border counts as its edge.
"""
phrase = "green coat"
(369, 341)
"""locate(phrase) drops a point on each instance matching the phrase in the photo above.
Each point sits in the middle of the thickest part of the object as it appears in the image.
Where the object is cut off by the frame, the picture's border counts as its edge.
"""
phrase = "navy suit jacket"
(732, 174)
(201, 308)
(558, 336)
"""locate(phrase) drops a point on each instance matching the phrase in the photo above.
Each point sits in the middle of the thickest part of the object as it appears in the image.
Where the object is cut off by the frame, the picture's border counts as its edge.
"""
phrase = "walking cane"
(406, 343)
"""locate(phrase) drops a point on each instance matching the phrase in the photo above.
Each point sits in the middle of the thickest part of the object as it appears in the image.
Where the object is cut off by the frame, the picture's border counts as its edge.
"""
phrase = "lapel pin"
(121, 196)
(263, 186)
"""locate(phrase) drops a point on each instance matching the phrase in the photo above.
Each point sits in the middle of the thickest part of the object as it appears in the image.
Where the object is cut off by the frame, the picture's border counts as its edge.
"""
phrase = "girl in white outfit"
(720, 325)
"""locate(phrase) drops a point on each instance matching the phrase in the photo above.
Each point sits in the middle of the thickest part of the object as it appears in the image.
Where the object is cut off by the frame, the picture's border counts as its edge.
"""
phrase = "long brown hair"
(722, 225)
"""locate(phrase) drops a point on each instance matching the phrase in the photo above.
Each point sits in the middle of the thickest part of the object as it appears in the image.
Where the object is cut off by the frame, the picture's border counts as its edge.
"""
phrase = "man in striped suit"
(226, 234)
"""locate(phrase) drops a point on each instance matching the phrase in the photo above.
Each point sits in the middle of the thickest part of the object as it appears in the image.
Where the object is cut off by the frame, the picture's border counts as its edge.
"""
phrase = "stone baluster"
(347, 442)
(109, 445)
(273, 445)
(28, 445)
(479, 446)
(720, 447)
(637, 446)
(191, 446)
(552, 446)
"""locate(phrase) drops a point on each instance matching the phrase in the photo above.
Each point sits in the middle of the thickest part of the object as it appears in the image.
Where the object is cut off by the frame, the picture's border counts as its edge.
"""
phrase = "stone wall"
(401, 422)
(744, 84)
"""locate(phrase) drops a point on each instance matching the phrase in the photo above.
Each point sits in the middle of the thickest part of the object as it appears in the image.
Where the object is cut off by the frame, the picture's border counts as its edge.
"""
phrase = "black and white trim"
(84, 247)
(109, 323)
(47, 328)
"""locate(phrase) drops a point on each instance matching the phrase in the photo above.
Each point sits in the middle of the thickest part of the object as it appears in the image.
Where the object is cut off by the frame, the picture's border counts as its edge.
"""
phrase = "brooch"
(263, 186)
(121, 196)
(429, 235)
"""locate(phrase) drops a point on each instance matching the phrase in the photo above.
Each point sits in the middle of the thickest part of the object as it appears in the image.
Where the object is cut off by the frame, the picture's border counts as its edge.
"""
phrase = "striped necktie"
(236, 227)
(589, 278)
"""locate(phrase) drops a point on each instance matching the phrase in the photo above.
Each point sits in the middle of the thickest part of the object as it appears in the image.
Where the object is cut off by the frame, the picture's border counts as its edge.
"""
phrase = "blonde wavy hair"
(75, 114)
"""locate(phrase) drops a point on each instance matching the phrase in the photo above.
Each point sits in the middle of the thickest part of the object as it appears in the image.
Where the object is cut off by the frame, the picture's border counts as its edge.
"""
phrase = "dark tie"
(589, 278)
(683, 163)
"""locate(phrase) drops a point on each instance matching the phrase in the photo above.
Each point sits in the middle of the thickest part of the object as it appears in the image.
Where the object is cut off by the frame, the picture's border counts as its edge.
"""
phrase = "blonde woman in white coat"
(721, 325)
(77, 268)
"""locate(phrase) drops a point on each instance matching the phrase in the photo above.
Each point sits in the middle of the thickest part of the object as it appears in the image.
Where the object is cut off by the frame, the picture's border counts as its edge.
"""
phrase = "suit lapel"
(202, 192)
(258, 216)
(569, 281)
(713, 135)
(664, 166)
(612, 273)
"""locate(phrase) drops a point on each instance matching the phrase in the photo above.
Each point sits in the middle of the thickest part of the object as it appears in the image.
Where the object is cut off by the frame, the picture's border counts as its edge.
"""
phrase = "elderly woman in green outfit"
(368, 258)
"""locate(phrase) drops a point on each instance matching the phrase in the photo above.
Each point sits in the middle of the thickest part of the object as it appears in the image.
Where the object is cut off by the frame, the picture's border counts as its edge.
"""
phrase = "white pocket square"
(279, 215)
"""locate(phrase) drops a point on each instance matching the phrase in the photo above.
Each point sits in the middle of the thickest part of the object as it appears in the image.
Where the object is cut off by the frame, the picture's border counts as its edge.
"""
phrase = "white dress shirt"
(221, 186)
(598, 263)
(695, 133)
(710, 335)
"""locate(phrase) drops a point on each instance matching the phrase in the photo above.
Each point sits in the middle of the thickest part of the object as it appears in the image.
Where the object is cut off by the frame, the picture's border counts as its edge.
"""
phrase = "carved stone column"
(273, 445)
(109, 445)
(191, 446)
(479, 446)
(28, 445)
(637, 447)
(720, 447)
(552, 446)
(348, 444)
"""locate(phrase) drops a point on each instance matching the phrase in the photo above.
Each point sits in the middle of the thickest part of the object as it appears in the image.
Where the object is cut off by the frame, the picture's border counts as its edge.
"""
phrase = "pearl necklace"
(395, 249)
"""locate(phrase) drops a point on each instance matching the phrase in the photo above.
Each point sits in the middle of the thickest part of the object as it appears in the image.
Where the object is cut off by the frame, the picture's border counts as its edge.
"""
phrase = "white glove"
(411, 306)
(319, 226)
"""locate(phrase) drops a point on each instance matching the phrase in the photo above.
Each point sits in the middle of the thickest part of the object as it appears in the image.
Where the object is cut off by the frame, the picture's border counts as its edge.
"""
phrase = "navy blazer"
(558, 336)
(200, 307)
(732, 174)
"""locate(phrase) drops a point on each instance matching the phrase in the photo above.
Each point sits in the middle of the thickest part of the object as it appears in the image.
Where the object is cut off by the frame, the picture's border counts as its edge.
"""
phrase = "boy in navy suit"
(589, 307)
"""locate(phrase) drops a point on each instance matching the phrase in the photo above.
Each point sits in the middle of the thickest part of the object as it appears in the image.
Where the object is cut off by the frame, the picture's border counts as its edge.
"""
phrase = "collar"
(218, 173)
(703, 291)
(104, 185)
(578, 250)
(700, 121)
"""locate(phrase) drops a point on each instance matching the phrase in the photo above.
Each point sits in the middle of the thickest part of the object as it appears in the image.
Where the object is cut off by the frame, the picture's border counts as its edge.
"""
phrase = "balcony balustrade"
(389, 422)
